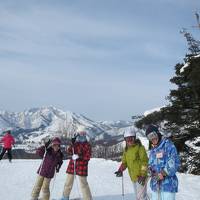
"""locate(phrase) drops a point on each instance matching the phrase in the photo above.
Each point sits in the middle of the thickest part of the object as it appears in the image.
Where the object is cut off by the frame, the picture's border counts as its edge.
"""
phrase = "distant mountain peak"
(36, 123)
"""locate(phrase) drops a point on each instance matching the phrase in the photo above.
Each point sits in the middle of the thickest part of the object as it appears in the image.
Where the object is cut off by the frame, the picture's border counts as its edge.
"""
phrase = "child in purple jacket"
(52, 161)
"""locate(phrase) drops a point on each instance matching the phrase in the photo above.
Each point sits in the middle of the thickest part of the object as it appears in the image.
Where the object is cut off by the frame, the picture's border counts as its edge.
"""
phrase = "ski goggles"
(81, 138)
(152, 135)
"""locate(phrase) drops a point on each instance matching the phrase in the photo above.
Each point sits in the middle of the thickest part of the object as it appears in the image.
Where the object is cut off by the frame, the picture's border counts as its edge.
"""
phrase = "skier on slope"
(163, 165)
(52, 161)
(80, 151)
(8, 141)
(135, 159)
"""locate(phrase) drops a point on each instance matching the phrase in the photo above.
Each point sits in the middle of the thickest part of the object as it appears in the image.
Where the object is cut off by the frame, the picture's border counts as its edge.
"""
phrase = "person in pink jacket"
(8, 141)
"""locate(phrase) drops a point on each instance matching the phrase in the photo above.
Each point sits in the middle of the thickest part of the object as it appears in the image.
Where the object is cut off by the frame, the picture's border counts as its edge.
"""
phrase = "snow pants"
(163, 195)
(83, 184)
(9, 153)
(41, 183)
(140, 191)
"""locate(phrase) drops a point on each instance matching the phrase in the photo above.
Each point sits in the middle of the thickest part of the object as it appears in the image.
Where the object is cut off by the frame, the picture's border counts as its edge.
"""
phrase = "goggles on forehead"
(152, 135)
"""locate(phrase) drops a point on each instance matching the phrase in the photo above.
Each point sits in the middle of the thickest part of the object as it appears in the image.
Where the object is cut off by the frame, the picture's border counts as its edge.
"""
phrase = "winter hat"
(81, 130)
(130, 132)
(56, 140)
(153, 132)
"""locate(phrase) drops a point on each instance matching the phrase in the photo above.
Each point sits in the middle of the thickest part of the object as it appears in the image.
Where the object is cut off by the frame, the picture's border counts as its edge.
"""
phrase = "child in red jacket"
(8, 141)
(80, 152)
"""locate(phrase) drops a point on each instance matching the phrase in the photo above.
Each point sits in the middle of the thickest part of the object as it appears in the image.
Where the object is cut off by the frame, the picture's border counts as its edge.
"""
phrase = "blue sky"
(106, 59)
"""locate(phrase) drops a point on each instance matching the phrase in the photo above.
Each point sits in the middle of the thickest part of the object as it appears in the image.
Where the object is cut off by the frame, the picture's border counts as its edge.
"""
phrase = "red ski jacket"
(83, 149)
(8, 141)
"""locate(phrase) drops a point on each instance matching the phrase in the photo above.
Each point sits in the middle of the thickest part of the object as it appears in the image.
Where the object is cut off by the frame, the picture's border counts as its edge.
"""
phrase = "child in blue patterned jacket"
(163, 165)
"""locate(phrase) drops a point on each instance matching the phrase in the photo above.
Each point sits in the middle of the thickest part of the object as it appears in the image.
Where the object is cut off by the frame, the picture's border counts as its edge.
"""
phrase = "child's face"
(56, 147)
(129, 141)
(154, 141)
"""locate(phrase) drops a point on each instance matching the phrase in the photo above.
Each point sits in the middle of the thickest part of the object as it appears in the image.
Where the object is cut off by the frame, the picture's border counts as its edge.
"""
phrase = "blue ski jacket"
(164, 157)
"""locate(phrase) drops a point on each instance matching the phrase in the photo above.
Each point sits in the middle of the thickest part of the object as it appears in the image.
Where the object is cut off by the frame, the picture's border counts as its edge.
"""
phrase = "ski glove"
(75, 156)
(151, 172)
(57, 168)
(157, 176)
(47, 144)
(141, 180)
(160, 176)
(73, 140)
(119, 173)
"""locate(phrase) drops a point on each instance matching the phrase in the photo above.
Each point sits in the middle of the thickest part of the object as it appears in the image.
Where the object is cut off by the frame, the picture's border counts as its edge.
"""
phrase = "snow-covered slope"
(18, 178)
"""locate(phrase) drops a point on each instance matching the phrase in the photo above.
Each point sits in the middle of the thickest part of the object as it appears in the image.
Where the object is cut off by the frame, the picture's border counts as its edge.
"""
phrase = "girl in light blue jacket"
(163, 165)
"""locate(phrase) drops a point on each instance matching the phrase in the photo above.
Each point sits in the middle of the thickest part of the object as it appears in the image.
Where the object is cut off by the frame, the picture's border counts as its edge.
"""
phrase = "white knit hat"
(81, 129)
(129, 132)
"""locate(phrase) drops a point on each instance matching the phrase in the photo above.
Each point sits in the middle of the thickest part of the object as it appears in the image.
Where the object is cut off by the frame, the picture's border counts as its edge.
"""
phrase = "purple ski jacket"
(52, 162)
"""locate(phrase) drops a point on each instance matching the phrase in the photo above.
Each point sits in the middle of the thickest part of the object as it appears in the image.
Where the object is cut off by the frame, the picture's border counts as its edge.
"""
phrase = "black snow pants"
(9, 152)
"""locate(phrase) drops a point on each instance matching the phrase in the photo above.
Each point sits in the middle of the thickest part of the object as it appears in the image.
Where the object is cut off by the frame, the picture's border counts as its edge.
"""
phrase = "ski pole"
(41, 166)
(158, 181)
(1, 151)
(158, 190)
(143, 189)
(54, 178)
(122, 186)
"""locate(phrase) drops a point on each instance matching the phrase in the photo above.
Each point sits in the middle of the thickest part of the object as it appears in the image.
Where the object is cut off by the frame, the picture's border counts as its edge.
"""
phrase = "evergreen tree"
(184, 109)
(182, 115)
(193, 45)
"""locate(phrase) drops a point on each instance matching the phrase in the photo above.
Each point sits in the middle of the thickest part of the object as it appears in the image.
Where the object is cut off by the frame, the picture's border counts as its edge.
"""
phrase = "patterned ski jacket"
(52, 162)
(83, 149)
(8, 141)
(164, 157)
(135, 159)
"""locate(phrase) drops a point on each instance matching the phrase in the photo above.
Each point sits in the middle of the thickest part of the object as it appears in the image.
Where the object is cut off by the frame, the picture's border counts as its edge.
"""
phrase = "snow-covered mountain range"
(47, 119)
(31, 126)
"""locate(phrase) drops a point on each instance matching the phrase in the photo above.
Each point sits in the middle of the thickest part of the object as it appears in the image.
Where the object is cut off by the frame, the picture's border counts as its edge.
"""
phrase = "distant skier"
(163, 165)
(8, 141)
(135, 160)
(52, 161)
(80, 151)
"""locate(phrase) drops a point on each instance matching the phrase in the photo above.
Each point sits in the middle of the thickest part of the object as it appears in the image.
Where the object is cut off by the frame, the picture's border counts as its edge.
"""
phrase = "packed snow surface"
(18, 178)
